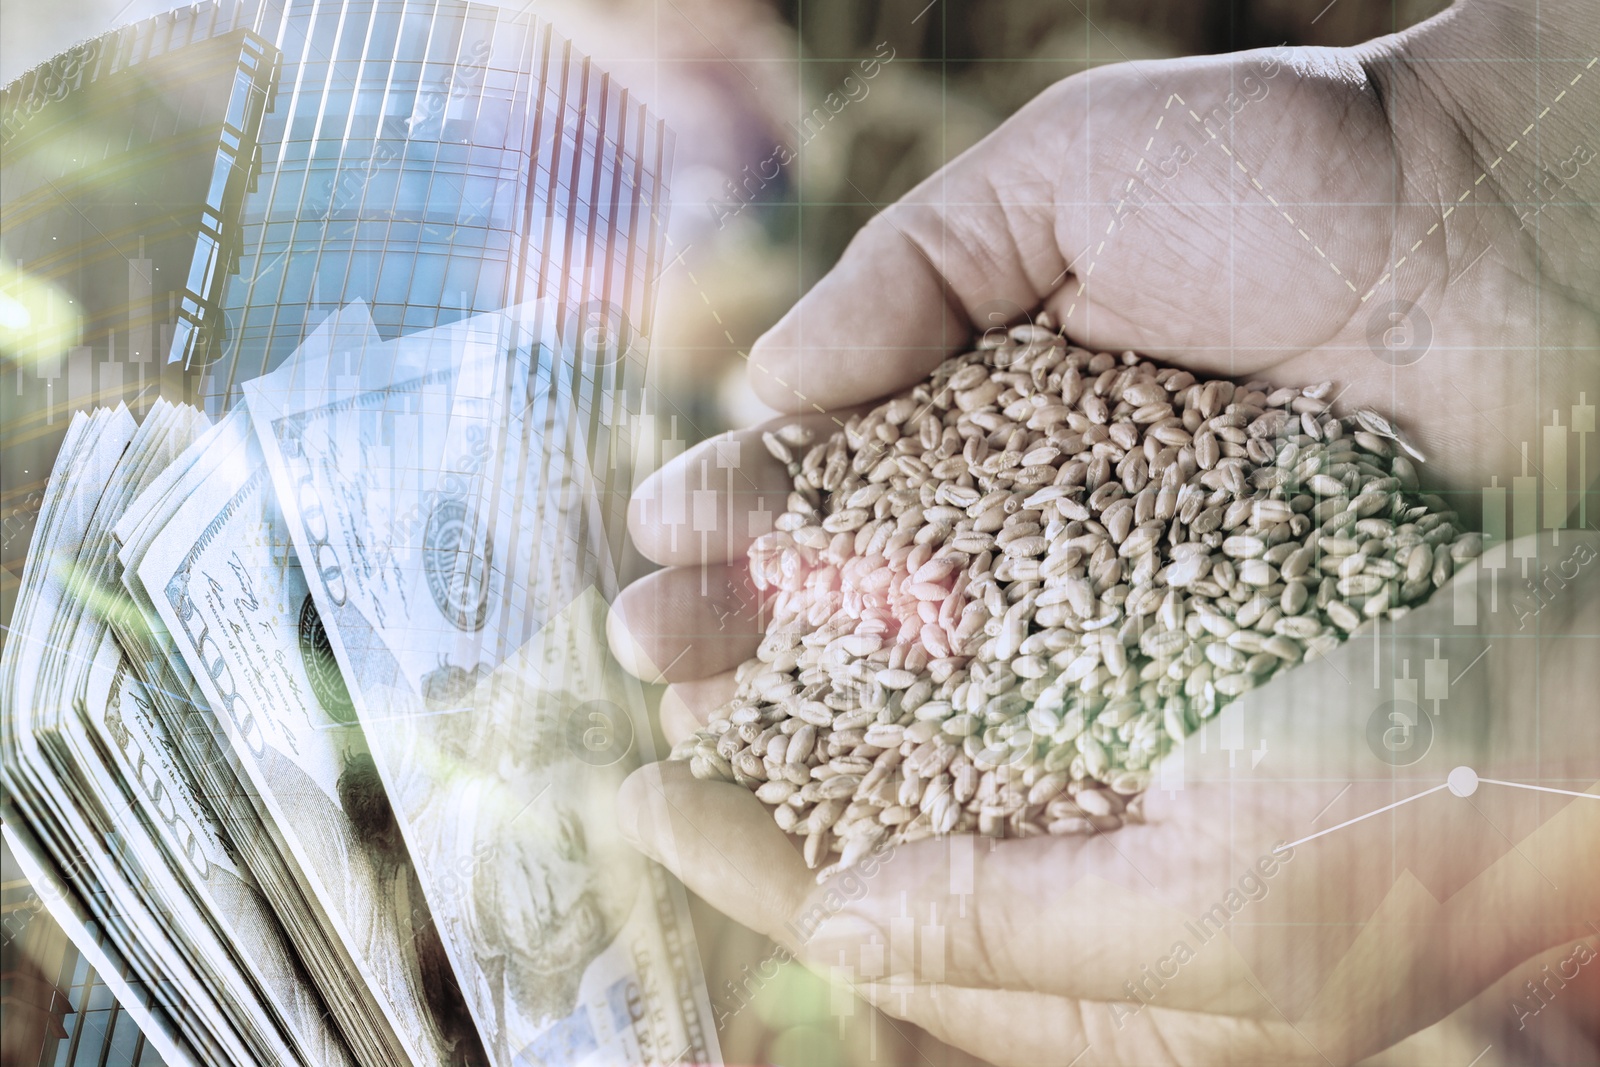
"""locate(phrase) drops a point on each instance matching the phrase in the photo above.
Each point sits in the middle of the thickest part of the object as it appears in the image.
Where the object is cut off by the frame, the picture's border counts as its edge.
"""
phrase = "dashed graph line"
(1272, 200)
(1119, 215)
(1479, 180)
(742, 354)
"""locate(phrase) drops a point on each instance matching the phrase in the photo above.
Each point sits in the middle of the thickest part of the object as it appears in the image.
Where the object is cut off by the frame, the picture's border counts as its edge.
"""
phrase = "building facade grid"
(432, 158)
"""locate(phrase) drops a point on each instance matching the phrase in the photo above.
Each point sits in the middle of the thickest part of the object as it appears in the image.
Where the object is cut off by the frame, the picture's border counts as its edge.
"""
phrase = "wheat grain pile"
(1002, 595)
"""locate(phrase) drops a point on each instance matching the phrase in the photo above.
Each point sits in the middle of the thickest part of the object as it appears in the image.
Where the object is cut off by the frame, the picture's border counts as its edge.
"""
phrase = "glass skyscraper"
(58, 1011)
(183, 199)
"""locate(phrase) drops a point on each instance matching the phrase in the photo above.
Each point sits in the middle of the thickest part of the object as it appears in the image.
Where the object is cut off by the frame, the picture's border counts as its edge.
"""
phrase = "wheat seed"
(1002, 596)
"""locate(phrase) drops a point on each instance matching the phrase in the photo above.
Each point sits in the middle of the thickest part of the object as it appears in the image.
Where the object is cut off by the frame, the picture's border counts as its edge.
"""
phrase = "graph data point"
(1463, 781)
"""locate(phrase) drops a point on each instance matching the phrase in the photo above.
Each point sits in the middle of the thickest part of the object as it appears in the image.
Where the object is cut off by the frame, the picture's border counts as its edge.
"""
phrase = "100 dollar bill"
(231, 594)
(436, 495)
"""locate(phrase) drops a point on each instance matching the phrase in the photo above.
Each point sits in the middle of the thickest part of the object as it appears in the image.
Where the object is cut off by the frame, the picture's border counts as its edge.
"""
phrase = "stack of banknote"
(311, 740)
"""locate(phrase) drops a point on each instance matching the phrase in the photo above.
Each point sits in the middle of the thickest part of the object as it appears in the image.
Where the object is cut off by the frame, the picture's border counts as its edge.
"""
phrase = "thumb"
(973, 245)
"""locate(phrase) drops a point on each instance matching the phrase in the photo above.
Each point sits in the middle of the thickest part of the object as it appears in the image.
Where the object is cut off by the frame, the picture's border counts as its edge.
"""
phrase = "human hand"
(1257, 215)
(1207, 273)
(1191, 938)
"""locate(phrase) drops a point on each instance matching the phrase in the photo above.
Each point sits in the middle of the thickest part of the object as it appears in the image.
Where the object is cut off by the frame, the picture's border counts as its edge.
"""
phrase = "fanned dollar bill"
(62, 894)
(222, 578)
(125, 802)
(435, 491)
(66, 794)
(165, 811)
(72, 841)
(62, 869)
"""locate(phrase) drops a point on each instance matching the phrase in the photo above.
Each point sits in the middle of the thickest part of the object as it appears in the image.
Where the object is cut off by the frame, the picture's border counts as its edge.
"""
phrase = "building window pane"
(401, 101)
(491, 285)
(319, 192)
(363, 280)
(325, 32)
(124, 1043)
(334, 113)
(305, 116)
(286, 196)
(446, 37)
(386, 317)
(427, 280)
(297, 278)
(444, 198)
(385, 24)
(353, 37)
(378, 197)
(477, 201)
(329, 283)
(413, 194)
(264, 287)
(413, 39)
(395, 280)
(494, 118)
(368, 110)
(91, 1037)
(462, 275)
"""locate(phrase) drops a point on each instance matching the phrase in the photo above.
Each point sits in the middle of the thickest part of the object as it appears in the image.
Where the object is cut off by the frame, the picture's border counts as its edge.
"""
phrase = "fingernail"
(626, 650)
(840, 932)
(636, 803)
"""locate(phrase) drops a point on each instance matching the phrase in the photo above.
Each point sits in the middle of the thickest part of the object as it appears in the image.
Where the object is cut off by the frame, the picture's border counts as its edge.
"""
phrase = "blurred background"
(795, 121)
(746, 85)
(770, 180)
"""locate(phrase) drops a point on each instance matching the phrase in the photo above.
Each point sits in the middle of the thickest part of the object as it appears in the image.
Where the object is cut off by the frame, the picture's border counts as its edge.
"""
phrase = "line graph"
(1462, 782)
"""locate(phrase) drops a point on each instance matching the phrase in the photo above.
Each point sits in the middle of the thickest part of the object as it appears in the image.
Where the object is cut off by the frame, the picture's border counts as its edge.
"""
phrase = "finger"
(1074, 916)
(1018, 927)
(709, 504)
(1011, 1027)
(687, 706)
(719, 840)
(977, 235)
(1033, 904)
(686, 622)
(1315, 772)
